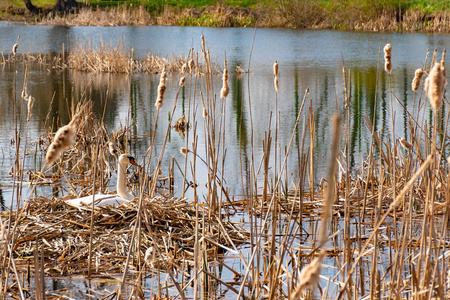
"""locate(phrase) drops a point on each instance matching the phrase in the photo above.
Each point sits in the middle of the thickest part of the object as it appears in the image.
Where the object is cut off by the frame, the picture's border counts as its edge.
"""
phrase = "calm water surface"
(307, 59)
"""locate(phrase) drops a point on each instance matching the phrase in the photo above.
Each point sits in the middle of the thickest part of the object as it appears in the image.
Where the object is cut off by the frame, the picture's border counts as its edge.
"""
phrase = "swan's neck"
(121, 182)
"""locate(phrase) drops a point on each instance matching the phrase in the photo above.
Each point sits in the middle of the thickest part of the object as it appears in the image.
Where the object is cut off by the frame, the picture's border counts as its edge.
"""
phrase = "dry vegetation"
(346, 15)
(382, 233)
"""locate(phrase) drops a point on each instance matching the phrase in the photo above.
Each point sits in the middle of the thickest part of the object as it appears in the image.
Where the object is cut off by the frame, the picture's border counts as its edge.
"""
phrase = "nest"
(62, 232)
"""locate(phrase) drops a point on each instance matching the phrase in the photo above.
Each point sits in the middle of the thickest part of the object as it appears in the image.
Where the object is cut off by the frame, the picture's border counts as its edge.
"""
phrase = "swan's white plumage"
(122, 195)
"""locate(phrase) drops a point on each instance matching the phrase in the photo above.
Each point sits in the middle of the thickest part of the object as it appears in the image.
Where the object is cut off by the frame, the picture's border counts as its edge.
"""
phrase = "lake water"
(307, 60)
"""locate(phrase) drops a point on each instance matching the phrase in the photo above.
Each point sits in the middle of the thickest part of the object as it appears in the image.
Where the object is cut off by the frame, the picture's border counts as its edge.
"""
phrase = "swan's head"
(126, 158)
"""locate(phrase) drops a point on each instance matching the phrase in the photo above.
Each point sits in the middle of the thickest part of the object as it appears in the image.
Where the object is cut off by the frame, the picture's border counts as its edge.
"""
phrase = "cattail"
(309, 276)
(275, 68)
(435, 86)
(191, 65)
(388, 58)
(205, 112)
(184, 150)
(30, 100)
(16, 45)
(64, 138)
(275, 83)
(182, 80)
(417, 78)
(24, 94)
(203, 41)
(161, 89)
(184, 68)
(225, 89)
(405, 144)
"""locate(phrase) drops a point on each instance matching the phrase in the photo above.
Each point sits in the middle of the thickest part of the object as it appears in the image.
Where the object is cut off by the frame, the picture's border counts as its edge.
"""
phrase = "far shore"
(291, 14)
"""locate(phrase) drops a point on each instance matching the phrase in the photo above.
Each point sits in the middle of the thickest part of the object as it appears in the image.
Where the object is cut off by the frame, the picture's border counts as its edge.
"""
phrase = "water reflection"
(129, 100)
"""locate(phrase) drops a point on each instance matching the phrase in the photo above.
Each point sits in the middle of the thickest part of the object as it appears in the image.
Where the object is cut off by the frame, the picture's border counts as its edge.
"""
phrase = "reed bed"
(380, 232)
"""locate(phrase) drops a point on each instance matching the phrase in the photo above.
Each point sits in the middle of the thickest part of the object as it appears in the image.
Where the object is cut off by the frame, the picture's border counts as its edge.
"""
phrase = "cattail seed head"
(24, 95)
(64, 138)
(161, 90)
(225, 89)
(30, 100)
(435, 86)
(275, 68)
(191, 65)
(182, 80)
(184, 150)
(417, 78)
(184, 68)
(203, 41)
(388, 58)
(205, 112)
(275, 82)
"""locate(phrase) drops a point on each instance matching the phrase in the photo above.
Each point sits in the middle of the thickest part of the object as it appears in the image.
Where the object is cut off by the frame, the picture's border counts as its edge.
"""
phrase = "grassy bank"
(372, 15)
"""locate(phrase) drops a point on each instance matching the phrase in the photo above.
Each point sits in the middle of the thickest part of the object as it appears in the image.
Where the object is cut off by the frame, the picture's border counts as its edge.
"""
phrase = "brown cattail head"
(30, 100)
(184, 150)
(275, 83)
(203, 42)
(388, 58)
(205, 112)
(435, 86)
(417, 78)
(191, 65)
(184, 68)
(225, 89)
(24, 95)
(161, 90)
(15, 46)
(64, 138)
(275, 68)
(309, 276)
(182, 80)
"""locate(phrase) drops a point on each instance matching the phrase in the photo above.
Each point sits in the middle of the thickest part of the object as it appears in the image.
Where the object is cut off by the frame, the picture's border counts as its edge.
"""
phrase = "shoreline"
(298, 17)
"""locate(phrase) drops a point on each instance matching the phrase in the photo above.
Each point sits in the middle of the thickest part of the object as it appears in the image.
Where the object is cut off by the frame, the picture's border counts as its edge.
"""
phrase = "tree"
(61, 6)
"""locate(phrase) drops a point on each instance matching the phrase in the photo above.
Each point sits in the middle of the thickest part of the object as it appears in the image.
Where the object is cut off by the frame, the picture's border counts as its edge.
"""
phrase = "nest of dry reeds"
(64, 233)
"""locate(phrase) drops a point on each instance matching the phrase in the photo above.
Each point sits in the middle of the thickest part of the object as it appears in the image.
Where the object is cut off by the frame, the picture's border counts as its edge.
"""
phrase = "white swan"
(122, 195)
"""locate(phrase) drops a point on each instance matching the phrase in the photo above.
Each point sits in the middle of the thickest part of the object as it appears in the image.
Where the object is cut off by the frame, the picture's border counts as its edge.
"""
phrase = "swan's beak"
(132, 161)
